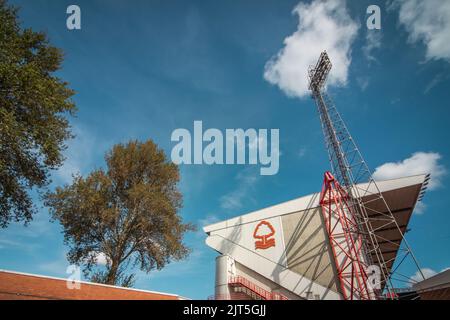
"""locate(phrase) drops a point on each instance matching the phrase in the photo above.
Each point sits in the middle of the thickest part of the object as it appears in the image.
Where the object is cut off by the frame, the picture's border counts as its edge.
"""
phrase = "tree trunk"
(111, 278)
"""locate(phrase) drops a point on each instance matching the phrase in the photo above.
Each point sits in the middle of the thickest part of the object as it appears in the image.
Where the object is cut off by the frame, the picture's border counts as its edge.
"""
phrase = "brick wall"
(16, 286)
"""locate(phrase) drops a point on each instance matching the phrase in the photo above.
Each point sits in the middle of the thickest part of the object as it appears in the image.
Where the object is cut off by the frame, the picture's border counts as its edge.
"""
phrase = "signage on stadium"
(264, 235)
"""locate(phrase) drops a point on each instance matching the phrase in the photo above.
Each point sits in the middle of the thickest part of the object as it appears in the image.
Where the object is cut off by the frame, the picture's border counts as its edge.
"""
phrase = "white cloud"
(373, 41)
(417, 277)
(323, 25)
(420, 208)
(427, 22)
(418, 163)
(100, 258)
(427, 273)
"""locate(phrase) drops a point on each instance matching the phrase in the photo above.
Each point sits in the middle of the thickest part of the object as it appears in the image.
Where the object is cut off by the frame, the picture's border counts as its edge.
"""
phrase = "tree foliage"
(127, 213)
(33, 108)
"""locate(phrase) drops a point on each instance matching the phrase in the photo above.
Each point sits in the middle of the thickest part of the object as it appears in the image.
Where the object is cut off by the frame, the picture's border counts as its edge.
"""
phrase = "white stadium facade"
(283, 252)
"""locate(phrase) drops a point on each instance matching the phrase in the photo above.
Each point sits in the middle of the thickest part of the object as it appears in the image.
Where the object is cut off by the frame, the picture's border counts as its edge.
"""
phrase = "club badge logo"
(263, 234)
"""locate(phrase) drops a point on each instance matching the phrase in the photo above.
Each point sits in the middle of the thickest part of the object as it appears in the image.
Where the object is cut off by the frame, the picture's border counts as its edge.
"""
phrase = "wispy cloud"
(373, 42)
(29, 246)
(79, 155)
(56, 267)
(437, 79)
(427, 22)
(26, 238)
(209, 219)
(323, 25)
(363, 82)
(246, 180)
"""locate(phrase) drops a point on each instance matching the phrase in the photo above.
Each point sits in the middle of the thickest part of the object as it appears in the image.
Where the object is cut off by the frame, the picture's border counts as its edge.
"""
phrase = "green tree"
(34, 105)
(128, 214)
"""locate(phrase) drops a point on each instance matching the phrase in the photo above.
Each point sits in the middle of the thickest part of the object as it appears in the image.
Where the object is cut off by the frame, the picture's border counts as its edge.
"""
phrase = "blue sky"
(142, 69)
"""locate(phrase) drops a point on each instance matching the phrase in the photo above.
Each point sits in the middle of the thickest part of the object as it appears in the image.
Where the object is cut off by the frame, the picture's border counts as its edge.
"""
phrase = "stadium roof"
(401, 195)
(403, 192)
(436, 287)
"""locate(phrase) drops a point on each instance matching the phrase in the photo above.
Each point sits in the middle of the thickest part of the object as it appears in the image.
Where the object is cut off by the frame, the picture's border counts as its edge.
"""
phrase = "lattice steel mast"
(357, 198)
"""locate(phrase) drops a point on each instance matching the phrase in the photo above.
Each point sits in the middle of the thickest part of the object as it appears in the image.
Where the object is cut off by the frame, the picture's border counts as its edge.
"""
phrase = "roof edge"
(421, 178)
(89, 283)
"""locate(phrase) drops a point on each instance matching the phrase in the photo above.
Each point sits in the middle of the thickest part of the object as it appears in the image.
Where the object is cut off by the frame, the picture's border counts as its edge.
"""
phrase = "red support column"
(345, 240)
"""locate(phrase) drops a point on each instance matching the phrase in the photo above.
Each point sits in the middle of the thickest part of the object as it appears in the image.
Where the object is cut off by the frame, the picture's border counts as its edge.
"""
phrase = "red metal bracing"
(345, 240)
(239, 281)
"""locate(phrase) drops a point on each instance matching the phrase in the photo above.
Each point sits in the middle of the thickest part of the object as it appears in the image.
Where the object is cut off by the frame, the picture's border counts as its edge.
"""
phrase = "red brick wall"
(18, 287)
